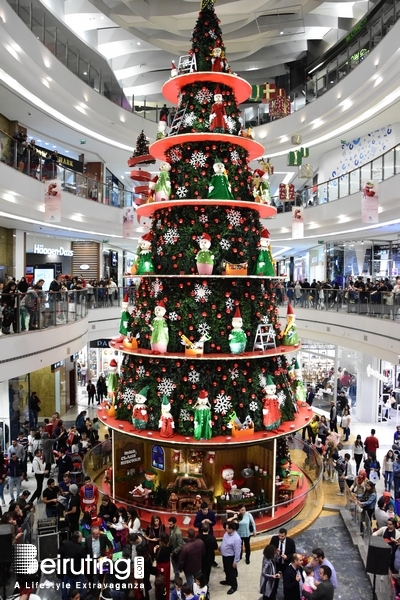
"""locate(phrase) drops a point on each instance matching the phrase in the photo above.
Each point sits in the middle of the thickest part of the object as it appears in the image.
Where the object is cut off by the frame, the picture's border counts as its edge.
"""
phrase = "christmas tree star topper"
(206, 4)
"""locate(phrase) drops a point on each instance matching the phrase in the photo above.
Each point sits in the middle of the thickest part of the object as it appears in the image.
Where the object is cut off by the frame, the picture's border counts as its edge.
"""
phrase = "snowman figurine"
(219, 187)
(237, 337)
(204, 258)
(159, 330)
(139, 413)
(145, 262)
(163, 185)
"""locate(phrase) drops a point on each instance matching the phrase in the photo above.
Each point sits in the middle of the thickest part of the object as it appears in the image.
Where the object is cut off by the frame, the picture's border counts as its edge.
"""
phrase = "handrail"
(12, 154)
(312, 468)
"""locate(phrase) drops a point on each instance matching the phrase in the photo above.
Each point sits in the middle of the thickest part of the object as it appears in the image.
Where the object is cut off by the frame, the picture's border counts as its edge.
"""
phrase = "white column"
(57, 390)
(19, 251)
(367, 389)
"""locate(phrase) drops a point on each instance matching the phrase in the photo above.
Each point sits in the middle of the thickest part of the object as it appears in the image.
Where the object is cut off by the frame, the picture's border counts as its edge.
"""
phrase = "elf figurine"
(112, 379)
(147, 486)
(218, 118)
(145, 263)
(139, 413)
(290, 336)
(271, 413)
(202, 417)
(297, 385)
(163, 185)
(159, 328)
(265, 263)
(265, 190)
(218, 62)
(204, 258)
(166, 422)
(237, 337)
(219, 187)
(124, 321)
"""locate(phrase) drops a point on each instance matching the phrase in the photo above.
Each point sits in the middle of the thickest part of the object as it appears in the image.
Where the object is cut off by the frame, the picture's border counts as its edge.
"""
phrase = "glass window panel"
(37, 29)
(333, 190)
(49, 38)
(366, 172)
(377, 170)
(83, 70)
(388, 164)
(397, 159)
(344, 185)
(354, 53)
(354, 181)
(72, 61)
(376, 32)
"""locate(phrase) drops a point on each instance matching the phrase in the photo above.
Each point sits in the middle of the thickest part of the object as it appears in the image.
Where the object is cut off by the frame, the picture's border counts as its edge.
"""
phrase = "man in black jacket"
(108, 510)
(96, 545)
(325, 589)
(210, 546)
(285, 548)
(64, 464)
(77, 554)
(292, 579)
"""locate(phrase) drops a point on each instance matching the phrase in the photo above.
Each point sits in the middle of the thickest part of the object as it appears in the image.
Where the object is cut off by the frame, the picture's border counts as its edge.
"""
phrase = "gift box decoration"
(295, 157)
(236, 269)
(286, 192)
(305, 171)
(270, 91)
(257, 93)
(267, 167)
(281, 93)
(296, 139)
(280, 107)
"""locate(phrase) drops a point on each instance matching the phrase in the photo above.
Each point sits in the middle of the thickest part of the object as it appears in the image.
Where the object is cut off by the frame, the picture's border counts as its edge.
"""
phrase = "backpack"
(29, 300)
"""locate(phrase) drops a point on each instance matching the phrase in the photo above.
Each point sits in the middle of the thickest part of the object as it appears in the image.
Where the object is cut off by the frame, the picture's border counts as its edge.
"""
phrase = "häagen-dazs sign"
(61, 251)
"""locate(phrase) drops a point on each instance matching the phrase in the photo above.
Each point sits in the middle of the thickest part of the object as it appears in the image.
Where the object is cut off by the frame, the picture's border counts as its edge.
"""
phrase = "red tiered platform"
(264, 210)
(160, 147)
(241, 88)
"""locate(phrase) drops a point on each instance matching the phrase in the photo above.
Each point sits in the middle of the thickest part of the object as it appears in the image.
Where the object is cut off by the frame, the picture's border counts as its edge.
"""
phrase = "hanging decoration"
(286, 192)
(296, 139)
(297, 222)
(264, 92)
(266, 166)
(306, 171)
(280, 107)
(295, 157)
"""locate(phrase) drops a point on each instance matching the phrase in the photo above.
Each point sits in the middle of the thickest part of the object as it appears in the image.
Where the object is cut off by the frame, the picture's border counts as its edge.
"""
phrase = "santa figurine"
(112, 379)
(174, 70)
(166, 422)
(204, 258)
(265, 190)
(145, 262)
(124, 320)
(237, 337)
(163, 185)
(271, 413)
(230, 483)
(265, 263)
(290, 336)
(152, 186)
(139, 413)
(159, 330)
(218, 61)
(202, 417)
(218, 118)
(219, 187)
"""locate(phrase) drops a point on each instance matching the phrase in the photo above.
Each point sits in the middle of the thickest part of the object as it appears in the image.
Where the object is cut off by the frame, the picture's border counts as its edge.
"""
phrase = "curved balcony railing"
(302, 454)
(22, 157)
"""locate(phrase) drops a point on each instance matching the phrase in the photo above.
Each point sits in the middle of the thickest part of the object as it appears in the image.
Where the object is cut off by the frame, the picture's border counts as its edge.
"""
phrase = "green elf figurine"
(237, 337)
(265, 263)
(202, 417)
(145, 262)
(159, 330)
(204, 258)
(219, 187)
(124, 320)
(290, 335)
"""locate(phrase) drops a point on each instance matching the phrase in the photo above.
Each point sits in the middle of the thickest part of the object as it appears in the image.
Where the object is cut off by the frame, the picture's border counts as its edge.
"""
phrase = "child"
(309, 581)
(176, 593)
(159, 587)
(187, 592)
(200, 587)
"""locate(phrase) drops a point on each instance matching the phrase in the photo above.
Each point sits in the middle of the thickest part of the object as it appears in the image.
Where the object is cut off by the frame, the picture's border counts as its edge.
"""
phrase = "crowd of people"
(27, 305)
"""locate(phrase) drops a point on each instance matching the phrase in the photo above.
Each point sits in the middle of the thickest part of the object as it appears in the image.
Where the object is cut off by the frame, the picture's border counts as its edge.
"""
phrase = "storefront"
(96, 358)
(46, 256)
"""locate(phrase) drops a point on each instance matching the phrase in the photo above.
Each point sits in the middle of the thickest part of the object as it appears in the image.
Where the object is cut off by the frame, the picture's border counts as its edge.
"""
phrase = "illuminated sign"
(40, 249)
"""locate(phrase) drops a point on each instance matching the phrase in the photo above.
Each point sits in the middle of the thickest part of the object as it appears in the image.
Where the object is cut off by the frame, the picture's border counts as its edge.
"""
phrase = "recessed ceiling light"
(85, 72)
(138, 44)
(122, 177)
(54, 146)
(281, 32)
(47, 143)
(378, 81)
(66, 151)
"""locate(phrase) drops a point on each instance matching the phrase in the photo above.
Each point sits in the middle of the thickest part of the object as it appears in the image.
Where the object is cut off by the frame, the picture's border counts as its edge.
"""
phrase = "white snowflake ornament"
(203, 218)
(204, 95)
(198, 159)
(230, 304)
(189, 119)
(230, 123)
(184, 415)
(234, 373)
(194, 376)
(141, 371)
(262, 380)
(181, 192)
(171, 236)
(173, 316)
(235, 157)
(201, 293)
(253, 406)
(166, 386)
(225, 244)
(223, 404)
(203, 328)
(281, 397)
(234, 217)
(156, 287)
(128, 395)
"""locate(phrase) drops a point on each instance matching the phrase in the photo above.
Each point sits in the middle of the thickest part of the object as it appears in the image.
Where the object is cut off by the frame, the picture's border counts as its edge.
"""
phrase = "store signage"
(57, 366)
(100, 343)
(61, 251)
(372, 373)
(130, 456)
(65, 161)
(74, 356)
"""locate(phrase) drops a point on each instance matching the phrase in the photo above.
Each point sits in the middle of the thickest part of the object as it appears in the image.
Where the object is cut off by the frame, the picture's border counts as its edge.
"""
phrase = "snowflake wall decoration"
(204, 95)
(225, 244)
(141, 371)
(234, 217)
(189, 119)
(223, 404)
(194, 376)
(128, 395)
(184, 415)
(253, 406)
(201, 293)
(156, 287)
(198, 159)
(171, 236)
(166, 386)
(181, 192)
(203, 328)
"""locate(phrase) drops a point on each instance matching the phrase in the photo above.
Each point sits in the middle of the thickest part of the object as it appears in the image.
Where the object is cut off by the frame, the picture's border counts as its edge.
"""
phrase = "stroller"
(77, 470)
